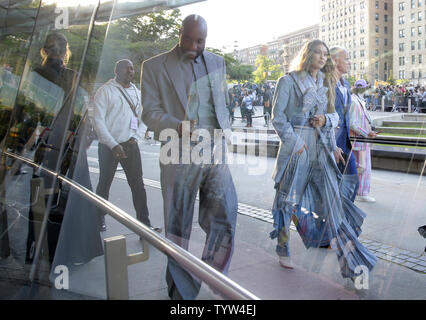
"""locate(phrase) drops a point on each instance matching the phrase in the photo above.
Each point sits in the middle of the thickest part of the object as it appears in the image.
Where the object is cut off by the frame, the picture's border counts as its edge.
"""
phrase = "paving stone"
(381, 250)
(392, 254)
(386, 247)
(408, 264)
(414, 260)
(419, 268)
(402, 257)
(413, 254)
(422, 263)
(396, 260)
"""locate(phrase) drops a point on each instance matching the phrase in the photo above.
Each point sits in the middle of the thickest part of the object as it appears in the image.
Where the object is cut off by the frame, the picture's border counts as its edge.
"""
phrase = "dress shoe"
(286, 262)
(156, 229)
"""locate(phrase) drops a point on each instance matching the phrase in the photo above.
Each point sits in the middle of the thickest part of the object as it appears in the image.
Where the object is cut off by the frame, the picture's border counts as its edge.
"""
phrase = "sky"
(252, 22)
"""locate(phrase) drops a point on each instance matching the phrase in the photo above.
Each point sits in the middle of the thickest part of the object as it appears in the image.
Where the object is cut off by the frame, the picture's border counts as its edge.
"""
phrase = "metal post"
(116, 263)
(383, 104)
(409, 105)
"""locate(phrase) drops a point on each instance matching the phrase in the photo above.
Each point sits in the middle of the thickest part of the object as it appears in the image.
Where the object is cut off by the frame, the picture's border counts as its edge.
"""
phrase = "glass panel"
(89, 88)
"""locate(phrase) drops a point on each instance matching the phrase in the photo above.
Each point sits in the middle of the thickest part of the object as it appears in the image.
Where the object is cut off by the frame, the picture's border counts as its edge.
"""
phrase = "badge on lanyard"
(134, 123)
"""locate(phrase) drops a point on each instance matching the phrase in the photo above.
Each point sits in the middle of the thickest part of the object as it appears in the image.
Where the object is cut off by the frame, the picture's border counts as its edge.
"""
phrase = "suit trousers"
(132, 166)
(218, 208)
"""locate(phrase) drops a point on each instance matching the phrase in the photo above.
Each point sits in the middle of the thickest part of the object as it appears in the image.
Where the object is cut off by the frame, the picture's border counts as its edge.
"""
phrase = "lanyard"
(132, 106)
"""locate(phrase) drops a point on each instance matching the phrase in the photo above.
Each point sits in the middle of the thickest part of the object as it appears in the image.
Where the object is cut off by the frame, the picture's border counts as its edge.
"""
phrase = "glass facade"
(74, 215)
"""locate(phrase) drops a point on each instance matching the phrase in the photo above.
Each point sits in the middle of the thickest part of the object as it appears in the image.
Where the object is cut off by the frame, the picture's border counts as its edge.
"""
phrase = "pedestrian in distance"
(117, 120)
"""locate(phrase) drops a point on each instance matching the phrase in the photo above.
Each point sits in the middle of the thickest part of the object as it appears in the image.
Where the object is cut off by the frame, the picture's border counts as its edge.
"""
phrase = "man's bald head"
(124, 72)
(192, 36)
(194, 21)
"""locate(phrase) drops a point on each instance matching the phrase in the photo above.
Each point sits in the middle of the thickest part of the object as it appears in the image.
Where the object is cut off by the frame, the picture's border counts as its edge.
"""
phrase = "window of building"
(401, 33)
(377, 41)
(401, 47)
(377, 4)
(413, 59)
(401, 19)
(376, 52)
(413, 18)
(386, 18)
(377, 17)
(386, 42)
(419, 16)
(419, 44)
(413, 3)
(377, 28)
(386, 30)
(413, 31)
(413, 45)
(386, 6)
(419, 30)
(420, 58)
(401, 6)
(362, 53)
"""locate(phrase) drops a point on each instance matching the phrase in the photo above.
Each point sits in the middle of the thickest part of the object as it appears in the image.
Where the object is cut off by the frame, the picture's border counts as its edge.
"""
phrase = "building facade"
(282, 50)
(410, 41)
(293, 42)
(365, 29)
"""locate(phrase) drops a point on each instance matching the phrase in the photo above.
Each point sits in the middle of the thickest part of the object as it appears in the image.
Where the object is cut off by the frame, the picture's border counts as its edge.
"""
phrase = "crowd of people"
(247, 97)
(397, 98)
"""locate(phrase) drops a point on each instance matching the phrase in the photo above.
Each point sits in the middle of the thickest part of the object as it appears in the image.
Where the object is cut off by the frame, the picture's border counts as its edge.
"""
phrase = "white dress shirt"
(112, 114)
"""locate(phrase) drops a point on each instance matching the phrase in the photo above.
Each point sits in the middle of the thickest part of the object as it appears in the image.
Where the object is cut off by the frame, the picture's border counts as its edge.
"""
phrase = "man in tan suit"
(186, 88)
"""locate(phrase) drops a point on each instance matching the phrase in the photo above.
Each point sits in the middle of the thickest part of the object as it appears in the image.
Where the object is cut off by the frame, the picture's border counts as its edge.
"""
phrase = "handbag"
(267, 104)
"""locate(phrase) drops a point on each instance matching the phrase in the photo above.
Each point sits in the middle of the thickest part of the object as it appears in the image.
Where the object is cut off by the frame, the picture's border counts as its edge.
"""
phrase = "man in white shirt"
(117, 120)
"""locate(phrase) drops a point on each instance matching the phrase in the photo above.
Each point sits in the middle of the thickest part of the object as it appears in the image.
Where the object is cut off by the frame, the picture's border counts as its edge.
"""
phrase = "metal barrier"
(216, 280)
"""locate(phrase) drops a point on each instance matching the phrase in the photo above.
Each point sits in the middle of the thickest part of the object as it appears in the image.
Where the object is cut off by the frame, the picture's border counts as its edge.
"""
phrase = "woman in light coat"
(309, 188)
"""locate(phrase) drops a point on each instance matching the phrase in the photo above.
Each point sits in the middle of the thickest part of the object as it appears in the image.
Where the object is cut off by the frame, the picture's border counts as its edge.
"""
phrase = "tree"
(266, 70)
(391, 79)
(235, 71)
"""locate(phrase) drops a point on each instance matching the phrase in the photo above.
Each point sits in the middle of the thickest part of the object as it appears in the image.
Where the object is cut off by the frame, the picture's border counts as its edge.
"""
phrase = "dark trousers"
(132, 166)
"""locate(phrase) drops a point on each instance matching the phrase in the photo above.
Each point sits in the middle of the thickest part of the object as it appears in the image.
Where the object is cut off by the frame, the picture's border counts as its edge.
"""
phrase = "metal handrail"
(392, 140)
(192, 264)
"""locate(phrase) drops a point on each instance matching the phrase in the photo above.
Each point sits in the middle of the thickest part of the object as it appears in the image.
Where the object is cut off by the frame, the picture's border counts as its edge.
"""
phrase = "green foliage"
(352, 80)
(236, 72)
(391, 79)
(266, 70)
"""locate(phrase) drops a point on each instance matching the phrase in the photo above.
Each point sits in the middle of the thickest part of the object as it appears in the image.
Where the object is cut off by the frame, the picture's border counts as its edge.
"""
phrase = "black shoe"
(327, 246)
(156, 229)
(103, 226)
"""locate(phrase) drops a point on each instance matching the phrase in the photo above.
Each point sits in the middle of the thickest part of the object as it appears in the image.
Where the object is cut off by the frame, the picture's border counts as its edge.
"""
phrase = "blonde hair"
(55, 46)
(303, 62)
